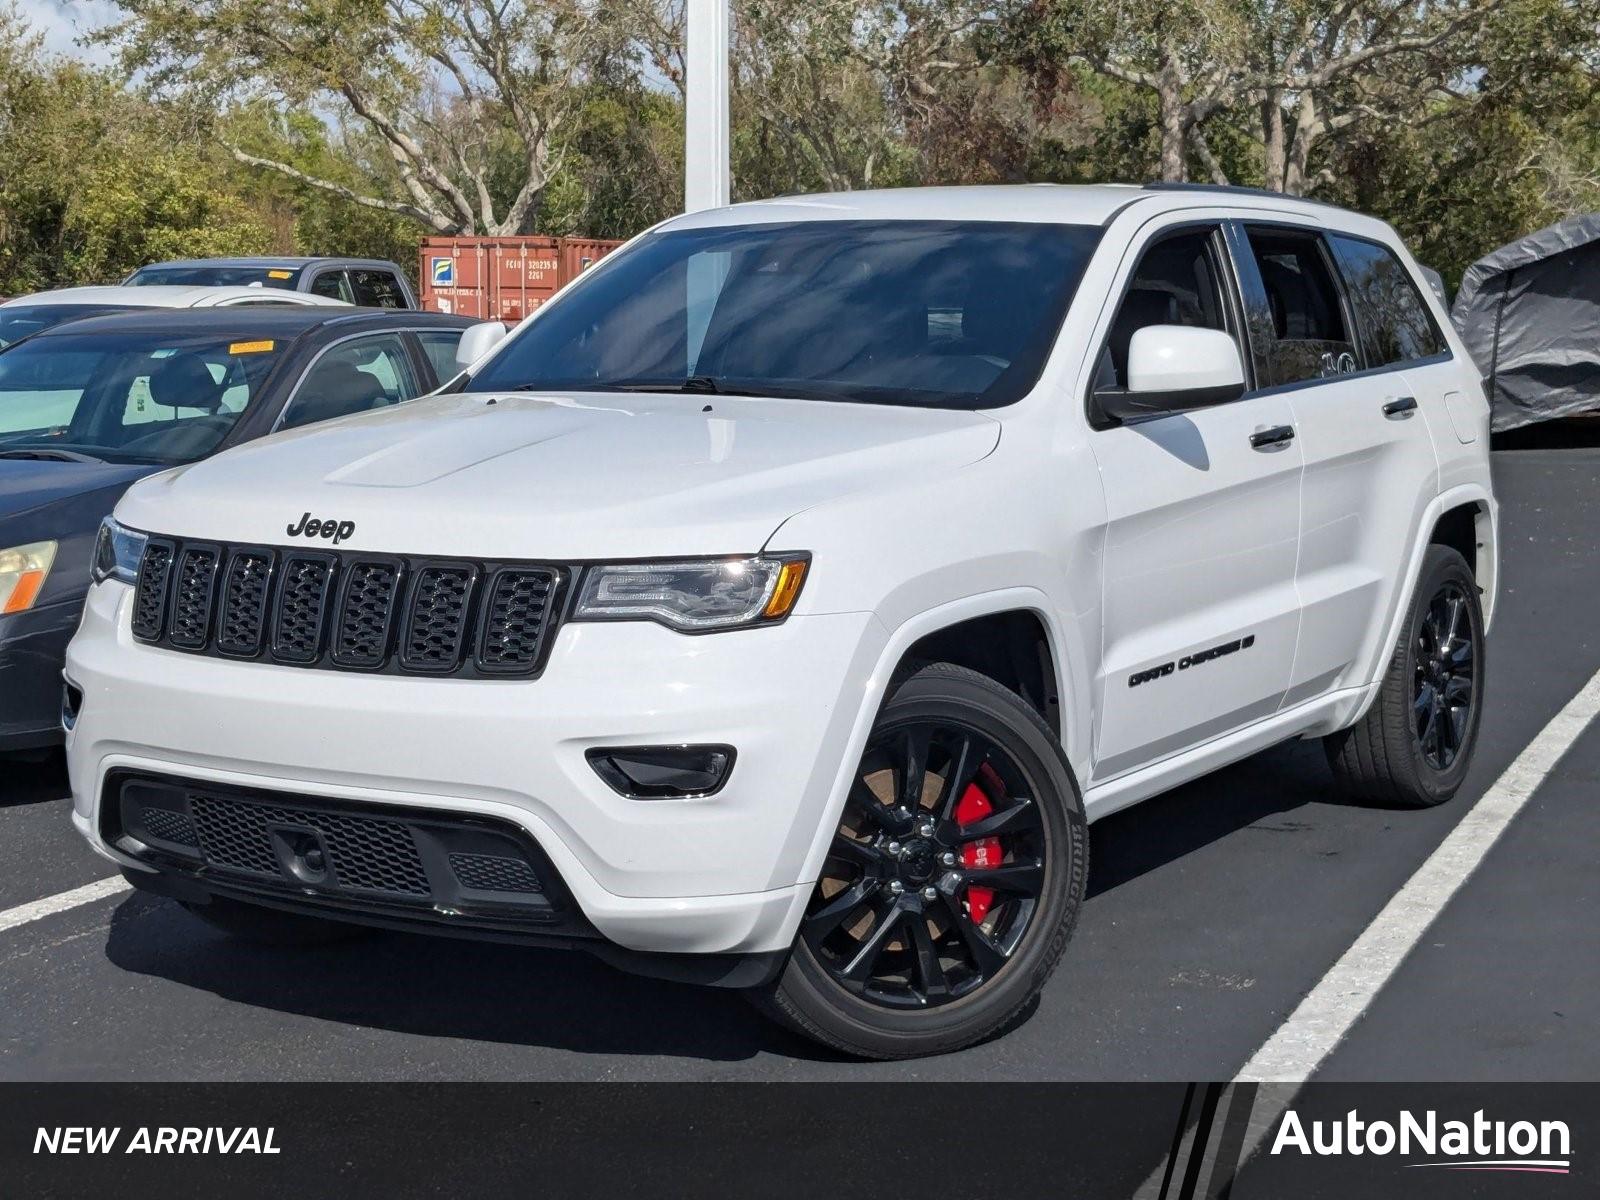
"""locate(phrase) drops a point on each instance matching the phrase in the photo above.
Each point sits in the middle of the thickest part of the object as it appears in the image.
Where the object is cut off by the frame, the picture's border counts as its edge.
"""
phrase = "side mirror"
(1173, 369)
(477, 341)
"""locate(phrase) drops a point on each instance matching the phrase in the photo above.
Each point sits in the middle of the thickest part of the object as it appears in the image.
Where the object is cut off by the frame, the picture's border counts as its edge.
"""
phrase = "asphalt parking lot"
(1213, 910)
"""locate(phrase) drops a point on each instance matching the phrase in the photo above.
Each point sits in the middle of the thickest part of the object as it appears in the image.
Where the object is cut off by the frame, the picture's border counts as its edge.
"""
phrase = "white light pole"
(705, 159)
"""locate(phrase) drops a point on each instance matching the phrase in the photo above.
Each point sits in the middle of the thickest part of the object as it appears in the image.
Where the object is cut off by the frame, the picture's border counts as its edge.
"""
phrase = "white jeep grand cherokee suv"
(776, 608)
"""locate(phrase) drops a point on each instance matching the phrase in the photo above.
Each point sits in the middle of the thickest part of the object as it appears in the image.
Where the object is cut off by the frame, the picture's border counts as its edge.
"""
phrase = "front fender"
(1066, 657)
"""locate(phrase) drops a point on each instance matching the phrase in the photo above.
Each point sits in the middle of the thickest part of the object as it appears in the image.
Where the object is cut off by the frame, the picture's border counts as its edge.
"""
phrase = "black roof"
(285, 321)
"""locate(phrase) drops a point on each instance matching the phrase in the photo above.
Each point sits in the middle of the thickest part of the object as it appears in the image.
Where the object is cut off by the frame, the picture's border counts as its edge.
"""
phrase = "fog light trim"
(71, 704)
(663, 772)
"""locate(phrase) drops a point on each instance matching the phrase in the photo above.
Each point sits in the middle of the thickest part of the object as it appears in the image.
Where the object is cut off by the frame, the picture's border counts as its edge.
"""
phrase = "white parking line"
(87, 894)
(1323, 1018)
(1304, 1041)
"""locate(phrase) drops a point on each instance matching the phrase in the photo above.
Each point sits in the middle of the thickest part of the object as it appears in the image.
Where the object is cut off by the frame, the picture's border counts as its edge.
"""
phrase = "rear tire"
(928, 932)
(270, 926)
(1414, 746)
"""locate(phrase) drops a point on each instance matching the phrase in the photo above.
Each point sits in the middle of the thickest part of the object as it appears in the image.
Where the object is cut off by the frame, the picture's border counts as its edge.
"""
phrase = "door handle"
(1265, 439)
(1402, 406)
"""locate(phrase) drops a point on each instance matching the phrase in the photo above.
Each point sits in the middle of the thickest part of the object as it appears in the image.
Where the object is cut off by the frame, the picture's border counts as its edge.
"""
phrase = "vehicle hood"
(545, 476)
(45, 500)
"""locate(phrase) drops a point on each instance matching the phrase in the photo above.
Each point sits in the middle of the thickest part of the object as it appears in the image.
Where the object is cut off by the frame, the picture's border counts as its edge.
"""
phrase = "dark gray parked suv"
(369, 282)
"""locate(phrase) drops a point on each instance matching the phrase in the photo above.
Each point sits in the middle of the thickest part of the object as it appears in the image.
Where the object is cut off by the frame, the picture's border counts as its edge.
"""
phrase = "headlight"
(22, 575)
(117, 552)
(699, 595)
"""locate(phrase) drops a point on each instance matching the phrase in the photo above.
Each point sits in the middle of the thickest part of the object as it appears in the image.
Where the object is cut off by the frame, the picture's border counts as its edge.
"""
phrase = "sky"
(61, 21)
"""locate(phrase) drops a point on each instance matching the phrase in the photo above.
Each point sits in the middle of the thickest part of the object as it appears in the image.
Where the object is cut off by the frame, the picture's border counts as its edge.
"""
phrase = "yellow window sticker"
(280, 274)
(260, 347)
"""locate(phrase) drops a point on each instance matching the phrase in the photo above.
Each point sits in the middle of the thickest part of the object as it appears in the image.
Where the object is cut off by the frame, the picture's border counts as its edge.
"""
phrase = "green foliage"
(307, 220)
(623, 171)
(95, 181)
(97, 176)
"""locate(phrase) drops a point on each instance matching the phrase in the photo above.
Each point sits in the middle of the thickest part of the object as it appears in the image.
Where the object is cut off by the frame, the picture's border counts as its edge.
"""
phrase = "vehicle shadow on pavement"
(450, 988)
(29, 779)
(565, 1000)
(1165, 828)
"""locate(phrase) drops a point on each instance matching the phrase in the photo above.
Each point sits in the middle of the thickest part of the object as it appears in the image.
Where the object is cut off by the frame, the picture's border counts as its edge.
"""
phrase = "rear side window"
(358, 376)
(377, 289)
(1310, 339)
(332, 285)
(440, 347)
(1394, 320)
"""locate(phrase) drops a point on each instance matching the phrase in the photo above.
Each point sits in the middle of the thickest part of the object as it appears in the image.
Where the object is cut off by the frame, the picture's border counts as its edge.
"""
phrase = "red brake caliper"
(984, 852)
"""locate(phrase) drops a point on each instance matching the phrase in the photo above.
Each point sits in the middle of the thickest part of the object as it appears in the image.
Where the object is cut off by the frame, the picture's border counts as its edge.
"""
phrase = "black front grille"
(494, 873)
(365, 627)
(348, 611)
(512, 636)
(244, 602)
(303, 588)
(169, 826)
(366, 854)
(463, 871)
(155, 578)
(436, 620)
(192, 593)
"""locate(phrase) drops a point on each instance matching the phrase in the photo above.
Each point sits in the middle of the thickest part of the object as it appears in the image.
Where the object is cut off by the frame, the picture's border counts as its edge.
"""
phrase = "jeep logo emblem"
(309, 526)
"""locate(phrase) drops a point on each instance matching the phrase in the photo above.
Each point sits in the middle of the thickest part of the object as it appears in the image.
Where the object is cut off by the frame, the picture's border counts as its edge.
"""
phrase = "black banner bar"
(945, 1141)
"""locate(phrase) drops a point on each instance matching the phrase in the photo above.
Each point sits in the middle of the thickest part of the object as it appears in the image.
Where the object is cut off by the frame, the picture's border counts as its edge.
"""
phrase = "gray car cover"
(1530, 315)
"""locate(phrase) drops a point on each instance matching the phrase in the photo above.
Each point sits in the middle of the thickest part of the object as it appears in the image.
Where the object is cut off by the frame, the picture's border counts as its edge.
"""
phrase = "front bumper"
(721, 874)
(33, 645)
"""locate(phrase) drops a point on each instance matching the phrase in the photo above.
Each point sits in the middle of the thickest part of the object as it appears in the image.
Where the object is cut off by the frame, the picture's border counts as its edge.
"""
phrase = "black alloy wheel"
(935, 872)
(1445, 662)
(951, 881)
(1413, 746)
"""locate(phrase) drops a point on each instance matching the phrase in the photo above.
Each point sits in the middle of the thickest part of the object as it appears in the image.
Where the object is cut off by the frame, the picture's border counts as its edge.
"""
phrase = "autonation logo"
(1476, 1145)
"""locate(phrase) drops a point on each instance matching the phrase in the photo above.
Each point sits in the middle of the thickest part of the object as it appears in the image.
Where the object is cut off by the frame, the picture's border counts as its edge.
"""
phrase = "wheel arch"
(1003, 635)
(985, 611)
(1467, 526)
(1445, 521)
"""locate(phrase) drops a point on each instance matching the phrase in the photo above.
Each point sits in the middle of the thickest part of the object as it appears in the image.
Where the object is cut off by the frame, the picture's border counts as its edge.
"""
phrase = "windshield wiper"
(695, 385)
(50, 453)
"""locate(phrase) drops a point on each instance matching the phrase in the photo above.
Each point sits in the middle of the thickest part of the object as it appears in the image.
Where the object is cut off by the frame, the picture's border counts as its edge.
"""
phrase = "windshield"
(933, 313)
(18, 321)
(128, 397)
(274, 277)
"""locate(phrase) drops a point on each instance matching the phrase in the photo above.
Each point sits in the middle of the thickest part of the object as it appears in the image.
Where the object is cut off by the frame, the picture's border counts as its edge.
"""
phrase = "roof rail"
(1233, 189)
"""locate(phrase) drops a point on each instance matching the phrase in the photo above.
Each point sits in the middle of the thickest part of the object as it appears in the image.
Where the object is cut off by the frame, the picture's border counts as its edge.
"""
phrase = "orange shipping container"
(501, 278)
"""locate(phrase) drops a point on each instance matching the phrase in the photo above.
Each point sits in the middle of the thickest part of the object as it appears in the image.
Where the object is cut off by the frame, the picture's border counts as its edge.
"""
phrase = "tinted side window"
(440, 347)
(358, 376)
(1396, 325)
(1310, 340)
(377, 289)
(332, 284)
(1175, 283)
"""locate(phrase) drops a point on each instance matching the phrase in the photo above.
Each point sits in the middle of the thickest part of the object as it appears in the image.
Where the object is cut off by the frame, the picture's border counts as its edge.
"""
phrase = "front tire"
(953, 882)
(1414, 746)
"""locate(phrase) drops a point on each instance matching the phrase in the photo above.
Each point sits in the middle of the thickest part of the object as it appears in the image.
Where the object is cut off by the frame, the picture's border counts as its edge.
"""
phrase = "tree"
(94, 181)
(833, 94)
(1288, 74)
(450, 91)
